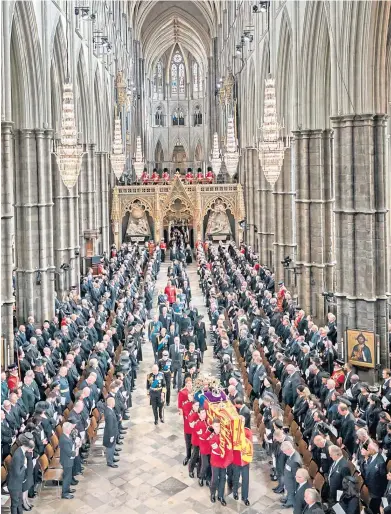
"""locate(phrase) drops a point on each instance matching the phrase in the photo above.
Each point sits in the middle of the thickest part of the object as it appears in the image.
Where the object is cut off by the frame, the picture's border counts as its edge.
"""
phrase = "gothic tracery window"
(181, 78)
(195, 77)
(178, 74)
(174, 78)
(197, 116)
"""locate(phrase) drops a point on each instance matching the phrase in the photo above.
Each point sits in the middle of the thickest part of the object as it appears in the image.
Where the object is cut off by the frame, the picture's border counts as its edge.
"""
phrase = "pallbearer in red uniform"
(194, 461)
(241, 467)
(189, 176)
(204, 434)
(220, 458)
(200, 176)
(163, 248)
(145, 177)
(165, 176)
(210, 176)
(183, 394)
(188, 409)
(155, 176)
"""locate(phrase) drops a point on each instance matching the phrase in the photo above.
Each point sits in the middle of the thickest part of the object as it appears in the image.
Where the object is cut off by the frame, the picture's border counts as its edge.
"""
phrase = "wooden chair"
(4, 474)
(307, 458)
(49, 474)
(7, 463)
(302, 446)
(277, 389)
(288, 420)
(66, 414)
(97, 415)
(294, 427)
(318, 483)
(59, 431)
(364, 495)
(389, 466)
(313, 469)
(298, 436)
(54, 462)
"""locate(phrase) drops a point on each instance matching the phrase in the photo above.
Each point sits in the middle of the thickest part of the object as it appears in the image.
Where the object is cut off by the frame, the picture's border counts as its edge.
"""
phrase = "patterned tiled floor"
(151, 478)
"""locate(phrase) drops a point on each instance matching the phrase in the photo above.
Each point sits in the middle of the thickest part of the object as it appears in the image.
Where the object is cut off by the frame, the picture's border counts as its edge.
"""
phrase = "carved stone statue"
(218, 222)
(138, 223)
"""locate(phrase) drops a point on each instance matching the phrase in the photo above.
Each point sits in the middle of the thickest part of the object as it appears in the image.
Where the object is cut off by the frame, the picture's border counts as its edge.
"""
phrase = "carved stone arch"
(57, 76)
(160, 137)
(228, 202)
(251, 114)
(315, 73)
(198, 151)
(159, 152)
(99, 119)
(178, 108)
(26, 68)
(183, 142)
(284, 72)
(127, 206)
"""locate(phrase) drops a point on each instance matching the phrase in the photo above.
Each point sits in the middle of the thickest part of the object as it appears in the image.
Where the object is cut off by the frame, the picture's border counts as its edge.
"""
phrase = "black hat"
(199, 318)
(12, 367)
(278, 423)
(346, 401)
(360, 423)
(54, 384)
(339, 362)
(39, 362)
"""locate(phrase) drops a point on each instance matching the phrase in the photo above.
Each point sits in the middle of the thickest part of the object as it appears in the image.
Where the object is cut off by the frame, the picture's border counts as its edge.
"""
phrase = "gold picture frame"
(361, 349)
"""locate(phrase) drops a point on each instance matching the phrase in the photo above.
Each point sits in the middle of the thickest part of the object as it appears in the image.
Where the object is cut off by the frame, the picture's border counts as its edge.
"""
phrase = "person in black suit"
(302, 479)
(243, 410)
(292, 464)
(349, 500)
(312, 499)
(339, 469)
(176, 353)
(374, 473)
(17, 473)
(110, 433)
(200, 334)
(67, 457)
(165, 319)
(289, 390)
(346, 431)
(321, 453)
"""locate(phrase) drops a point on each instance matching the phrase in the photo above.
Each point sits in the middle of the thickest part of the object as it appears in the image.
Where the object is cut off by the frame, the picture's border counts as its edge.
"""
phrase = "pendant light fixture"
(215, 160)
(118, 157)
(231, 156)
(139, 159)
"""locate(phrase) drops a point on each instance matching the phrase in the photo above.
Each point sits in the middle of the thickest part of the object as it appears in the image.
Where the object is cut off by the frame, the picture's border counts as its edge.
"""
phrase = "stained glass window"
(174, 78)
(177, 57)
(181, 78)
(159, 72)
(200, 79)
(195, 77)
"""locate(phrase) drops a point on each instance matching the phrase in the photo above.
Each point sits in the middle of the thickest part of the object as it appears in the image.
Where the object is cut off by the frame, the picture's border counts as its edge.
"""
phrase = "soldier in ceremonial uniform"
(165, 367)
(204, 434)
(193, 356)
(156, 387)
(163, 248)
(219, 461)
(241, 467)
(193, 419)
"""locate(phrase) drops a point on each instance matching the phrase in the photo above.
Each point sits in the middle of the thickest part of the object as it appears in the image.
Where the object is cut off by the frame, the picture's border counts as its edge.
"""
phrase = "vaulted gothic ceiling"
(160, 24)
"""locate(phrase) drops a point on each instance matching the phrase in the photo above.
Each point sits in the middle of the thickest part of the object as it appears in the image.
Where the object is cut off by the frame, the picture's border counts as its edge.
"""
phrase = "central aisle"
(150, 478)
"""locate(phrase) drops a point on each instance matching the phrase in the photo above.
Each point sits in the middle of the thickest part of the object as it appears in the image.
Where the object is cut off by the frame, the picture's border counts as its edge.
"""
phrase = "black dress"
(189, 258)
(29, 476)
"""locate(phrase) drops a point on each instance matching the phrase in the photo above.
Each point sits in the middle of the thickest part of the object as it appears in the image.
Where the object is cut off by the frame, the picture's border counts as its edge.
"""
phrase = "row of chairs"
(317, 477)
(49, 462)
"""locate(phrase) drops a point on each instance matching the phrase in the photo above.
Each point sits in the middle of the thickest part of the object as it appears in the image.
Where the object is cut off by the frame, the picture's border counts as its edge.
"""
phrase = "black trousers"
(163, 253)
(67, 479)
(168, 391)
(188, 445)
(245, 472)
(157, 404)
(206, 472)
(375, 504)
(195, 460)
(16, 502)
(218, 481)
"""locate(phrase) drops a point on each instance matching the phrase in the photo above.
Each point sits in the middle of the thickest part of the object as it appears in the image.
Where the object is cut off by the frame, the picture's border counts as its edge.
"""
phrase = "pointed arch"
(198, 152)
(98, 111)
(159, 153)
(83, 109)
(284, 72)
(26, 68)
(315, 72)
(57, 76)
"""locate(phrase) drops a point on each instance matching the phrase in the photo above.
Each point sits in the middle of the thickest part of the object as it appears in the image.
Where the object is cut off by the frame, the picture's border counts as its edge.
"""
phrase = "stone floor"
(151, 478)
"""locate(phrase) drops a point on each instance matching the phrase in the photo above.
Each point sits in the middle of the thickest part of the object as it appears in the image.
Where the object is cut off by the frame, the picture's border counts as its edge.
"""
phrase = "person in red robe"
(187, 411)
(189, 176)
(155, 176)
(170, 291)
(165, 176)
(200, 176)
(338, 376)
(210, 176)
(194, 461)
(204, 435)
(13, 376)
(145, 177)
(281, 296)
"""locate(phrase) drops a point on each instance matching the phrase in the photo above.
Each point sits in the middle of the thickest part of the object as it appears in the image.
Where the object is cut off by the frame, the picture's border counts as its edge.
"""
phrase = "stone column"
(360, 220)
(314, 218)
(103, 190)
(250, 198)
(265, 223)
(7, 235)
(257, 206)
(34, 201)
(283, 245)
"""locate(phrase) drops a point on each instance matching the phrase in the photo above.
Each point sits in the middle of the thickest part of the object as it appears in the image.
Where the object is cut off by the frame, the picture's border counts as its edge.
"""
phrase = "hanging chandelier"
(271, 147)
(139, 159)
(231, 156)
(69, 153)
(215, 160)
(118, 157)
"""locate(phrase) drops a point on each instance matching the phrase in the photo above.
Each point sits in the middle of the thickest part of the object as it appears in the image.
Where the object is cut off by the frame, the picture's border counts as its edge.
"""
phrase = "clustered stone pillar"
(7, 235)
(314, 218)
(360, 220)
(265, 223)
(284, 244)
(34, 232)
(102, 174)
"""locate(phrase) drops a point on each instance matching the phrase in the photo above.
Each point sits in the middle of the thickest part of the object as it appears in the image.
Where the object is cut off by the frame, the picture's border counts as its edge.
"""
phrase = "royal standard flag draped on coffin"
(232, 427)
